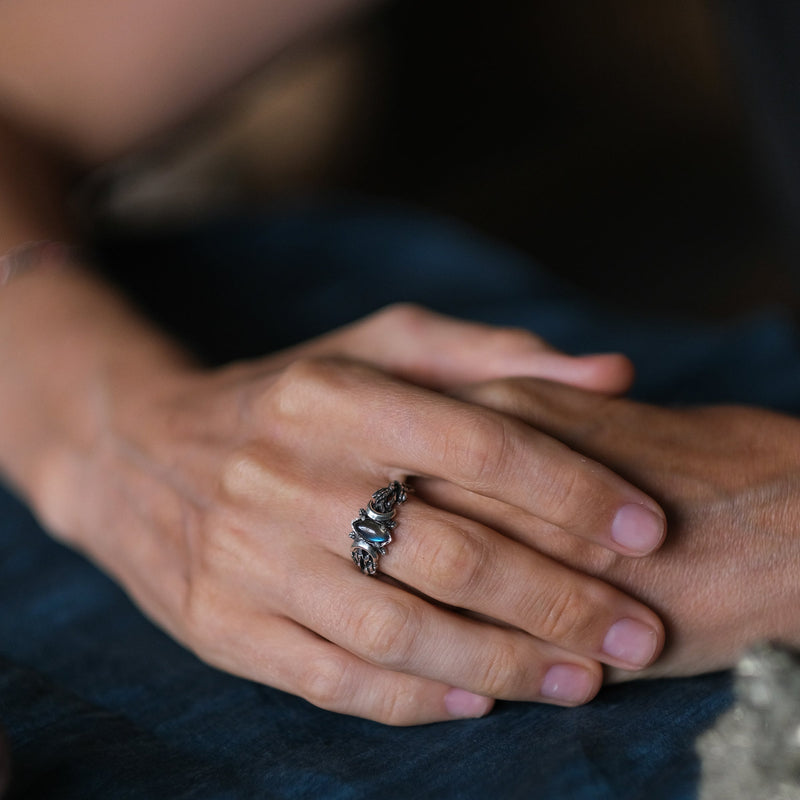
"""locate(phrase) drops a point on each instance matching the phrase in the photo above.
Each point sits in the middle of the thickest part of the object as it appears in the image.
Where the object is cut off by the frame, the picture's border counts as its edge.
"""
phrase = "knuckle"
(455, 564)
(502, 670)
(568, 617)
(327, 682)
(397, 707)
(244, 473)
(568, 493)
(515, 339)
(323, 681)
(480, 447)
(301, 387)
(401, 704)
(385, 633)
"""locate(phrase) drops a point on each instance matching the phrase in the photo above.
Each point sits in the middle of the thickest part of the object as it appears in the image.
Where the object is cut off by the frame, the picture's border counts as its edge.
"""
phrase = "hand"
(728, 574)
(222, 502)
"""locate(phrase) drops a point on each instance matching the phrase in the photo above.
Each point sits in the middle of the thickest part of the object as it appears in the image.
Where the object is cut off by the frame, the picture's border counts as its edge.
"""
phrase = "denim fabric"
(99, 703)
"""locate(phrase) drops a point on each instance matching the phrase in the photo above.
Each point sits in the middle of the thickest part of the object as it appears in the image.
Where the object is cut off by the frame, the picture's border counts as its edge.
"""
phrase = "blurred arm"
(100, 76)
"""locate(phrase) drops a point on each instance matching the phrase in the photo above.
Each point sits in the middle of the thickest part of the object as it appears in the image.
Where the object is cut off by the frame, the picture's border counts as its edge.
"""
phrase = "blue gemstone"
(371, 531)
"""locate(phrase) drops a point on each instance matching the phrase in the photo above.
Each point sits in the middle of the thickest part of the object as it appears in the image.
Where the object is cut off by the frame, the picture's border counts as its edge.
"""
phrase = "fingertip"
(633, 643)
(605, 373)
(608, 373)
(570, 684)
(461, 704)
(638, 529)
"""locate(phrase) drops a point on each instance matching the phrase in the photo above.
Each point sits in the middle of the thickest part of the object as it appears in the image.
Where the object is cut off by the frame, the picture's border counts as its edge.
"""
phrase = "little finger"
(402, 632)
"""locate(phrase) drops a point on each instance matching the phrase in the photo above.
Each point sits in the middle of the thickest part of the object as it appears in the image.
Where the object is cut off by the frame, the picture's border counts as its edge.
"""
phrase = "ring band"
(372, 531)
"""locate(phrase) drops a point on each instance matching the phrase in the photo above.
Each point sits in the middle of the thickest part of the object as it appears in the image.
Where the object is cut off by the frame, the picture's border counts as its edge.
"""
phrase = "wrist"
(130, 443)
(71, 352)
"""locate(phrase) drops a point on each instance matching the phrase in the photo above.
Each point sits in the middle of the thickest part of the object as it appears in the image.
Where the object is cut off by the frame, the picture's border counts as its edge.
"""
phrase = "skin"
(221, 501)
(140, 66)
(728, 479)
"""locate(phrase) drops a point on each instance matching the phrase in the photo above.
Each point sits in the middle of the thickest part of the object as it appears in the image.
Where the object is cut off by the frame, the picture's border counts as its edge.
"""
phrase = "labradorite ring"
(372, 531)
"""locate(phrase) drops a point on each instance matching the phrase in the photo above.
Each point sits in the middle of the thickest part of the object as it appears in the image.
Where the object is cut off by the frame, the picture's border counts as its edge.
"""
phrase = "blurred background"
(619, 142)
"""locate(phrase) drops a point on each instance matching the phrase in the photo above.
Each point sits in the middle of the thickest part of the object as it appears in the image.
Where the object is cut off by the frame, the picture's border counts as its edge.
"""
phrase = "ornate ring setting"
(372, 531)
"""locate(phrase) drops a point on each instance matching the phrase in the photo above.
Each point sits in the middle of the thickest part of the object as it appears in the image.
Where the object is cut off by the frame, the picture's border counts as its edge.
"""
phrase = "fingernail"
(631, 641)
(568, 683)
(637, 528)
(462, 704)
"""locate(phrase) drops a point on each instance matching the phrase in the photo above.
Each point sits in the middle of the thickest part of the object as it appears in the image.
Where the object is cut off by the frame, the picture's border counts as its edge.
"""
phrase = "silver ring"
(372, 531)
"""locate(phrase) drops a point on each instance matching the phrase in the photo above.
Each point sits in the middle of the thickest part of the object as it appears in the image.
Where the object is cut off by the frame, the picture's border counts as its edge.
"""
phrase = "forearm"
(63, 335)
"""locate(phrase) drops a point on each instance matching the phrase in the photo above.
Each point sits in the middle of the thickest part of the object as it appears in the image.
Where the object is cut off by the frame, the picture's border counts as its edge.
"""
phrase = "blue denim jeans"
(97, 702)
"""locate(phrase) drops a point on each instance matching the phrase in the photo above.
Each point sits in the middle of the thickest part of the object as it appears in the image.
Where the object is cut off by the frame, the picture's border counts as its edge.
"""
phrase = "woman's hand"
(728, 477)
(222, 501)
